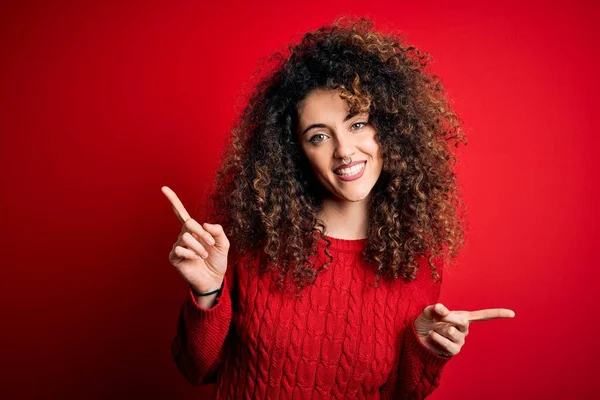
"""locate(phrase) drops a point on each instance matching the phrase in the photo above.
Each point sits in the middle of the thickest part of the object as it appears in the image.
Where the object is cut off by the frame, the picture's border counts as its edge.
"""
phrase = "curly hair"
(267, 198)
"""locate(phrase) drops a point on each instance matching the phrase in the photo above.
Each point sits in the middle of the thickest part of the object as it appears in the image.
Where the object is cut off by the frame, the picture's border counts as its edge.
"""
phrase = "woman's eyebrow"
(312, 126)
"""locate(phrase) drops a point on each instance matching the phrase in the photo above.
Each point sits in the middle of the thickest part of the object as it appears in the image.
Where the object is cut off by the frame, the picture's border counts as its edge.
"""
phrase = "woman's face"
(329, 134)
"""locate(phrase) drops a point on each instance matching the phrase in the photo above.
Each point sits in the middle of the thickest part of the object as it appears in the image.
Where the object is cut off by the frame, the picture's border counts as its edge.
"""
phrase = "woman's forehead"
(322, 102)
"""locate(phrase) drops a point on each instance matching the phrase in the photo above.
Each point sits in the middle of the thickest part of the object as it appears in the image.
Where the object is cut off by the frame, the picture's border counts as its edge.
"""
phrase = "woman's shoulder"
(427, 284)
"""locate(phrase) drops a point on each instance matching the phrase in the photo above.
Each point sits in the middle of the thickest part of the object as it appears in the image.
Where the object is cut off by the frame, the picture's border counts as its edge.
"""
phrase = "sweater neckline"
(344, 244)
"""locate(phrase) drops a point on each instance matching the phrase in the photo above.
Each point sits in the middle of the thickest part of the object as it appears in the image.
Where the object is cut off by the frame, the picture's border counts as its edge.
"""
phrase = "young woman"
(338, 202)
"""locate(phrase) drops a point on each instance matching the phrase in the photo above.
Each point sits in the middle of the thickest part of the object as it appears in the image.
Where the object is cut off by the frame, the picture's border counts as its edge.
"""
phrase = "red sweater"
(342, 338)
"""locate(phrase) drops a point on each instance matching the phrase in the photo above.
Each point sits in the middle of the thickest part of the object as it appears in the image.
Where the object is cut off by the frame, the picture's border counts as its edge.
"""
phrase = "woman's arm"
(198, 344)
(417, 370)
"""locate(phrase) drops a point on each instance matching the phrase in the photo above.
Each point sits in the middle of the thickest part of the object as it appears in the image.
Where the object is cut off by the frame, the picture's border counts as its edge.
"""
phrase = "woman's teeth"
(350, 171)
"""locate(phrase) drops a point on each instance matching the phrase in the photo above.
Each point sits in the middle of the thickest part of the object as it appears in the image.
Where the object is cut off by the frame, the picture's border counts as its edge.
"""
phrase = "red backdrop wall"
(102, 104)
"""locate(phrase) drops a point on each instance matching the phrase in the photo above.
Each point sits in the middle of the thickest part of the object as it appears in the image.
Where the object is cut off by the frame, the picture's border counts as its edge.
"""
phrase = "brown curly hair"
(265, 195)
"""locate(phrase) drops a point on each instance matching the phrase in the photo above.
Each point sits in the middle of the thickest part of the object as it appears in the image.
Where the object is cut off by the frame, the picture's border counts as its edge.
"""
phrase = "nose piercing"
(346, 163)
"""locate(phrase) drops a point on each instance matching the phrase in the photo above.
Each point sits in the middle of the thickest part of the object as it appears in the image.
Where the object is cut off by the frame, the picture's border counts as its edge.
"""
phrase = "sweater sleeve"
(417, 372)
(198, 344)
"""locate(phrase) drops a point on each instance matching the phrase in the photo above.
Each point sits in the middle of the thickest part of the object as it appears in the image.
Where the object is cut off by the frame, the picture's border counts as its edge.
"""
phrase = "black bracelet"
(207, 293)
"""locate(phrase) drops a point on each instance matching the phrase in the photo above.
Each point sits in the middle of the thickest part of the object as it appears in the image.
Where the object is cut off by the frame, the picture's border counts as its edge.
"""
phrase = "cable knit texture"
(343, 338)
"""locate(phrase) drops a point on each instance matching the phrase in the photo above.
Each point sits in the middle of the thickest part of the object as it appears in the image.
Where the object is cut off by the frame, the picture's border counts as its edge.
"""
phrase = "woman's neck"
(345, 219)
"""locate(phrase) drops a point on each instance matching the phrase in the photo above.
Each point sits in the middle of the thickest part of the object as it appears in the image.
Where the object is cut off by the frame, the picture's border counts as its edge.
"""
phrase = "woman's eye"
(358, 125)
(312, 139)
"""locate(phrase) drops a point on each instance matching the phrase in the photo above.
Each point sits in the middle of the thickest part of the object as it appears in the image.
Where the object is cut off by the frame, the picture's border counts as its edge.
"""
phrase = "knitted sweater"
(343, 338)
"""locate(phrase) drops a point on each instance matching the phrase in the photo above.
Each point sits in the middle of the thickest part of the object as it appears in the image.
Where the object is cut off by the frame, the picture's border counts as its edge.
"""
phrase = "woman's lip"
(347, 178)
(352, 164)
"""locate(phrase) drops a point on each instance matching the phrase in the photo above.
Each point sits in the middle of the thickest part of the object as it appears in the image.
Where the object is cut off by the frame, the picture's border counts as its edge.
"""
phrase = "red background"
(101, 105)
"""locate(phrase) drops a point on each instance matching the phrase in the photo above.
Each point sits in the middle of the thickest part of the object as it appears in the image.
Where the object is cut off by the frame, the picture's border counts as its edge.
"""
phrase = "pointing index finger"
(490, 313)
(178, 207)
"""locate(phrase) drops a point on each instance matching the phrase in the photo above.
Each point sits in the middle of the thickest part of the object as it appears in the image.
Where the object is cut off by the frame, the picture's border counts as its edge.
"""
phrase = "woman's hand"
(444, 331)
(200, 252)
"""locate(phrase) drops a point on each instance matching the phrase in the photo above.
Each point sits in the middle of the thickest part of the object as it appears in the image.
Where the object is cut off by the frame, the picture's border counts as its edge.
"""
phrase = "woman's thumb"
(213, 229)
(441, 309)
(218, 233)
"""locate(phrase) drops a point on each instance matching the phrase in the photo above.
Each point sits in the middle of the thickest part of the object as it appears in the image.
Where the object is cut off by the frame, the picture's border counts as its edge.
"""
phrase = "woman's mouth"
(352, 173)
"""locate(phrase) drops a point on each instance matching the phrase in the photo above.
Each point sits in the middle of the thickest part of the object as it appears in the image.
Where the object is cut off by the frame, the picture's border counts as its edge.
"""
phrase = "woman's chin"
(352, 196)
(353, 192)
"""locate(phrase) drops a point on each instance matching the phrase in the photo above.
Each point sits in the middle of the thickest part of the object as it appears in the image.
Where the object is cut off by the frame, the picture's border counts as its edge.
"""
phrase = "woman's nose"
(344, 148)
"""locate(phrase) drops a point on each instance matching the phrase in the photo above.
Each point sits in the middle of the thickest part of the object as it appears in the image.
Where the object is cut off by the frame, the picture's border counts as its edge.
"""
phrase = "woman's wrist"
(209, 292)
